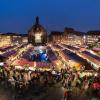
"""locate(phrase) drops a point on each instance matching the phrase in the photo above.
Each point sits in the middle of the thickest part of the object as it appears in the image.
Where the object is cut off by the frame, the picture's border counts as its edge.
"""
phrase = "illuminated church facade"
(37, 35)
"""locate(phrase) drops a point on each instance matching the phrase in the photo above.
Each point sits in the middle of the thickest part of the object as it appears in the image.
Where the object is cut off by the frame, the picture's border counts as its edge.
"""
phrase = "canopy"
(23, 62)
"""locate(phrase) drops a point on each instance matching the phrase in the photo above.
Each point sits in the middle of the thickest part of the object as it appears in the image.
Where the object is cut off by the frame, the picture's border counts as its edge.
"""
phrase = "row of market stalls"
(76, 61)
(57, 47)
(30, 65)
(96, 50)
(91, 58)
(25, 63)
(26, 54)
(72, 59)
(67, 56)
(11, 50)
(94, 59)
(2, 49)
(53, 58)
(71, 47)
(9, 53)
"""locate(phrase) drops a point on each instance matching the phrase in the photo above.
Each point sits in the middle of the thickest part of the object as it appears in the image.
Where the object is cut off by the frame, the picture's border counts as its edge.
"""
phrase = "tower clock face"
(38, 38)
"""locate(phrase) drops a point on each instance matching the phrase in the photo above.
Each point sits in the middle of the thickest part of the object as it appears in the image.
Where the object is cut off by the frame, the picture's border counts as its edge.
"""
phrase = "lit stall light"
(32, 68)
(18, 67)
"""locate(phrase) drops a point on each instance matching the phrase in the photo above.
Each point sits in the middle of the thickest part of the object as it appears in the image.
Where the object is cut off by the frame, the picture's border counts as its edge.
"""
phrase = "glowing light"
(40, 51)
(34, 64)
(57, 64)
(38, 37)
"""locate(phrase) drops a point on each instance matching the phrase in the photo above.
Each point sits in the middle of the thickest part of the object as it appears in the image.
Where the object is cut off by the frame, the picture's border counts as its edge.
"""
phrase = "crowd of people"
(89, 84)
(21, 81)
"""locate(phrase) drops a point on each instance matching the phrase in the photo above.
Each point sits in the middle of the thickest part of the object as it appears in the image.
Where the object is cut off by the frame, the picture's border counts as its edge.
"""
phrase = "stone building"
(92, 38)
(37, 35)
(10, 38)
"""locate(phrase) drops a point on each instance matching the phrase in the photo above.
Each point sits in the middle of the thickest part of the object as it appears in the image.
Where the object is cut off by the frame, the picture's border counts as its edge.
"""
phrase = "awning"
(23, 62)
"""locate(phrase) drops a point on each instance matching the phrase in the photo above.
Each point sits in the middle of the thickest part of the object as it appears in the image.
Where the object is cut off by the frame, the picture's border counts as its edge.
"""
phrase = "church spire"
(37, 20)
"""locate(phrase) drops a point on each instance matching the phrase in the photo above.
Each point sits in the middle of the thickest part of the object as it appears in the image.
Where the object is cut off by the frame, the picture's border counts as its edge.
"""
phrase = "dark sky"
(19, 15)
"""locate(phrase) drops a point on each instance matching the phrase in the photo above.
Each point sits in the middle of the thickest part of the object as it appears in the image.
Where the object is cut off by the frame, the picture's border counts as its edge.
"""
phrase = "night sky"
(19, 15)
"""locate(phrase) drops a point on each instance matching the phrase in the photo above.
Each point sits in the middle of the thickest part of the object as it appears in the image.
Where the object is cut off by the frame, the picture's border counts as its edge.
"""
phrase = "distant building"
(24, 38)
(56, 36)
(72, 37)
(37, 35)
(5, 39)
(77, 38)
(12, 38)
(69, 36)
(68, 30)
(93, 38)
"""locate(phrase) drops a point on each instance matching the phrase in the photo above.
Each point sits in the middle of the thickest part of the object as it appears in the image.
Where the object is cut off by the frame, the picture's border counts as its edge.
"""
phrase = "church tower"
(37, 35)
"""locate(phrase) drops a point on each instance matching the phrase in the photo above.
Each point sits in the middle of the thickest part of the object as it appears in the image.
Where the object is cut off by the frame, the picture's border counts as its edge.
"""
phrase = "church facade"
(37, 35)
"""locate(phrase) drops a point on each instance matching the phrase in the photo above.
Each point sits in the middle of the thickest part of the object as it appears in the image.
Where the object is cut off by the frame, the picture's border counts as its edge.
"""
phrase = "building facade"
(12, 38)
(72, 37)
(69, 37)
(5, 40)
(56, 36)
(37, 35)
(92, 38)
(9, 38)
